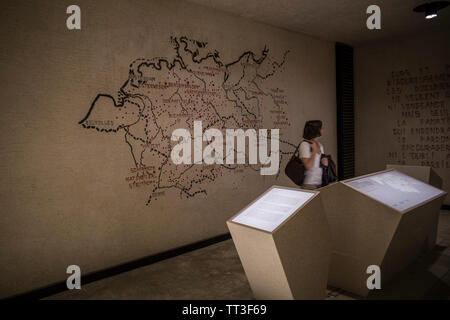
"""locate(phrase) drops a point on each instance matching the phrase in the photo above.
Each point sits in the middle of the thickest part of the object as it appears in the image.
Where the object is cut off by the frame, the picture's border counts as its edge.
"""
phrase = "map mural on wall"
(161, 95)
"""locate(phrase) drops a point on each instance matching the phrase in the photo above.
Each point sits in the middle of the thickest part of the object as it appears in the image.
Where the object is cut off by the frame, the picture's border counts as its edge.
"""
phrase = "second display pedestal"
(387, 219)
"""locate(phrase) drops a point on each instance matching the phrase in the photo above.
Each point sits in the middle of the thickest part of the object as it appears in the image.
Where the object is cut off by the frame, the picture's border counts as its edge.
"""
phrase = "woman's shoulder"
(304, 143)
(304, 148)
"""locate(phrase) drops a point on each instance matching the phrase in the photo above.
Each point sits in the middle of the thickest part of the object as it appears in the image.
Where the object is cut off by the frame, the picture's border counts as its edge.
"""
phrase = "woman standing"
(310, 151)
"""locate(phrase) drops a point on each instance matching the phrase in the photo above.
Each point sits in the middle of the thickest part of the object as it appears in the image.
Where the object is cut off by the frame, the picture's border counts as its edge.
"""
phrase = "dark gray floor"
(215, 272)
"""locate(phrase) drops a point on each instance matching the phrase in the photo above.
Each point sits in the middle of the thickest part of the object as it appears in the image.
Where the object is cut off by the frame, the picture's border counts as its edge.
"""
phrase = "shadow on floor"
(426, 278)
(423, 279)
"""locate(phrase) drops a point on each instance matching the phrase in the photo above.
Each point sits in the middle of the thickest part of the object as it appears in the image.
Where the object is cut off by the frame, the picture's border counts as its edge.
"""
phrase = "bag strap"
(296, 149)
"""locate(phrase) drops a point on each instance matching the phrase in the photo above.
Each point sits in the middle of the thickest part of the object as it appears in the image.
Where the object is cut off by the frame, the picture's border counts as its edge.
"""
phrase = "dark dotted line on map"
(279, 65)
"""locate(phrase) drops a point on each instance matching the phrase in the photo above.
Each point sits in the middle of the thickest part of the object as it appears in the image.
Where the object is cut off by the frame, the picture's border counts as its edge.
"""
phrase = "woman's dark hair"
(312, 129)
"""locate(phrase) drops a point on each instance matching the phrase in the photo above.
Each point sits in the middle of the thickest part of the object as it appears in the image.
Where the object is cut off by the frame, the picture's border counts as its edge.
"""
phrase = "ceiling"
(336, 20)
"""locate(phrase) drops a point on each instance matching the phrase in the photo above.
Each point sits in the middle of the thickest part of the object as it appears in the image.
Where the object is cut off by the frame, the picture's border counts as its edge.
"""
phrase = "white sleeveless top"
(313, 175)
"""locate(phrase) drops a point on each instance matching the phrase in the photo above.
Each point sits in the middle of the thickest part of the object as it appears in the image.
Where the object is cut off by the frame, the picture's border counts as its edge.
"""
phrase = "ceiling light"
(431, 8)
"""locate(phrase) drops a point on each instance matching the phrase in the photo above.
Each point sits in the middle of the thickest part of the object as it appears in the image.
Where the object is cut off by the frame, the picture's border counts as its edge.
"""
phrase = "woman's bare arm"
(309, 162)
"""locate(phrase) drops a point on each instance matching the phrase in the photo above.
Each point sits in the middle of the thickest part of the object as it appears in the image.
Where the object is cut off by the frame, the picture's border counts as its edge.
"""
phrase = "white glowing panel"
(395, 189)
(269, 211)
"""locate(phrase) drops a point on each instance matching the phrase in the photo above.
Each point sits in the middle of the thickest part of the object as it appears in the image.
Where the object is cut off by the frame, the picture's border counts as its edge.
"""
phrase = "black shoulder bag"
(295, 169)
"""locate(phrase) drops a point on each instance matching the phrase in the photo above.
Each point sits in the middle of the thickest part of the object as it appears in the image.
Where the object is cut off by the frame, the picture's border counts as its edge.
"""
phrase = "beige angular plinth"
(366, 232)
(422, 173)
(292, 261)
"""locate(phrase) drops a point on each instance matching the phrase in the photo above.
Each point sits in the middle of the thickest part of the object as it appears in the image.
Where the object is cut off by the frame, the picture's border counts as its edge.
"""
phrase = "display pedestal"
(287, 255)
(422, 173)
(386, 219)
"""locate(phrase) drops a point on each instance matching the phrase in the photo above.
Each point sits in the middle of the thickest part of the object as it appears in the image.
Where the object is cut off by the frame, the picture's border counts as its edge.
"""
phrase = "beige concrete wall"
(402, 104)
(64, 194)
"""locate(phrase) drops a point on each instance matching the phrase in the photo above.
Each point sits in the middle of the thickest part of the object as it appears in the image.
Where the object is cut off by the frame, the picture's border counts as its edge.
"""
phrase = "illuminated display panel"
(395, 189)
(269, 211)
